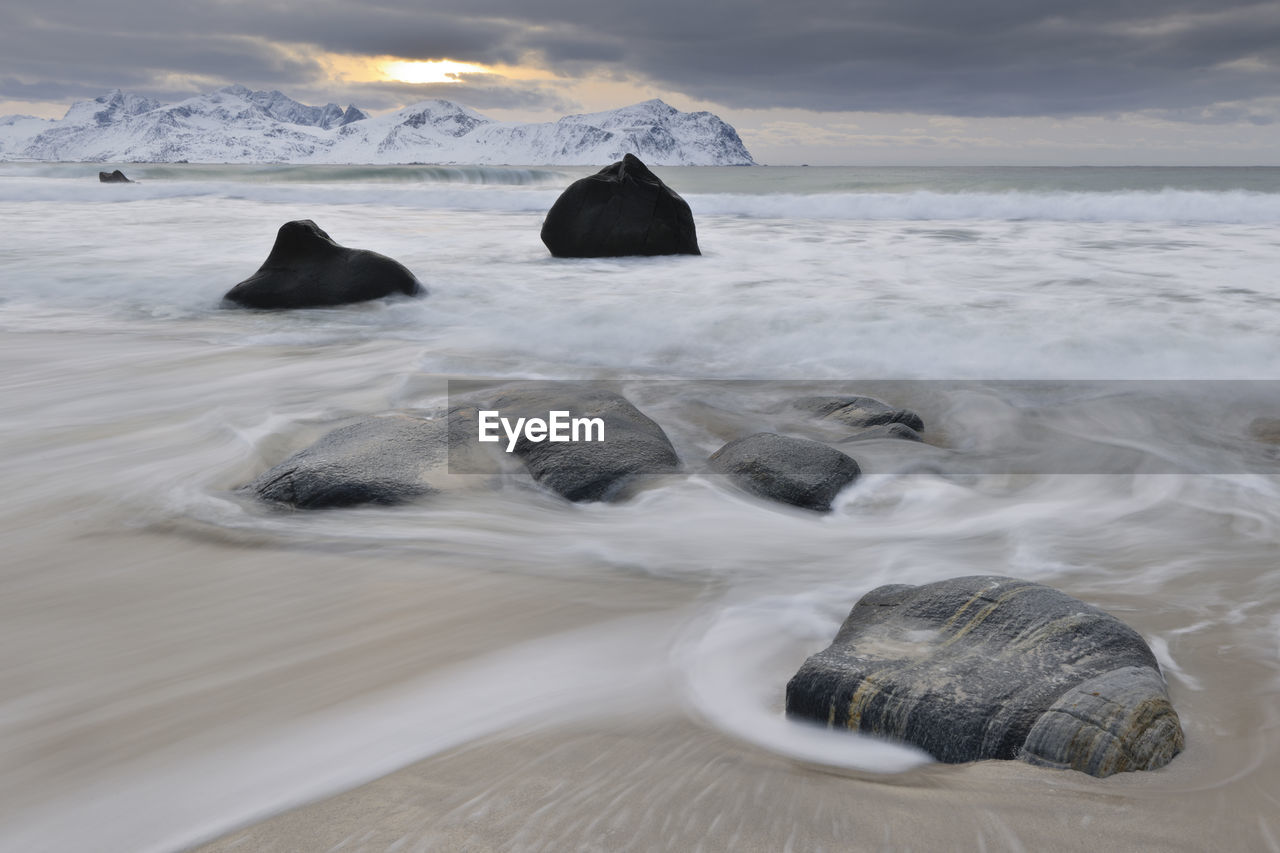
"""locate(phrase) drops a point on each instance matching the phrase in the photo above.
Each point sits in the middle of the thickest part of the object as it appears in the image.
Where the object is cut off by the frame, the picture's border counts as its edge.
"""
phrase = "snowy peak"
(282, 108)
(109, 108)
(238, 125)
(444, 117)
(353, 114)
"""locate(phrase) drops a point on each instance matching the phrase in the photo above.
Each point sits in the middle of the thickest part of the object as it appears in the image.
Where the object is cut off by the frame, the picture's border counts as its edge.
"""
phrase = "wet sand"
(672, 784)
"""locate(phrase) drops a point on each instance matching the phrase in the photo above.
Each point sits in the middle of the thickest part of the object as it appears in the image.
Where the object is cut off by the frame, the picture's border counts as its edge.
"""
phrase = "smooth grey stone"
(795, 471)
(387, 459)
(984, 667)
(307, 269)
(116, 177)
(624, 209)
(859, 412)
(634, 446)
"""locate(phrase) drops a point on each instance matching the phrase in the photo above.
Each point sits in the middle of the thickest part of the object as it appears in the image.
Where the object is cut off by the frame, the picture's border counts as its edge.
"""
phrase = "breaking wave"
(496, 189)
(1196, 206)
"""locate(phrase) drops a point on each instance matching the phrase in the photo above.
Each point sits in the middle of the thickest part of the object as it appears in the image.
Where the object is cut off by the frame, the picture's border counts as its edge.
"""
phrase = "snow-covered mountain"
(236, 125)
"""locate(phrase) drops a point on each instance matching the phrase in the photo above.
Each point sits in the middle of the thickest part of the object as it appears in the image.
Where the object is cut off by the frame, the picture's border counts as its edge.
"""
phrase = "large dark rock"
(985, 667)
(795, 471)
(306, 268)
(623, 209)
(387, 459)
(116, 177)
(859, 412)
(634, 446)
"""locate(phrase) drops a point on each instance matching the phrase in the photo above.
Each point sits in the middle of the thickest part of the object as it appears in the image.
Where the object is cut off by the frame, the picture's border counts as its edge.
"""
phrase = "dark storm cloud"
(980, 58)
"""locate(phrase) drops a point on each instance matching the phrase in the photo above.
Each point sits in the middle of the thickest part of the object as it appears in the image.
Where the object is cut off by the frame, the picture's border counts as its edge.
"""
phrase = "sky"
(912, 82)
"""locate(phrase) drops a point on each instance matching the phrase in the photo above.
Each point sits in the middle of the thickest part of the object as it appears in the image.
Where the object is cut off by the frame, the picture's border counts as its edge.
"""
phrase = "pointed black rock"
(623, 209)
(116, 177)
(306, 268)
(984, 667)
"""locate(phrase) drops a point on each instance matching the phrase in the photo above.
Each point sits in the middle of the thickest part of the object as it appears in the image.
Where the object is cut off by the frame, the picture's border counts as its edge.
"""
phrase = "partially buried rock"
(634, 447)
(983, 667)
(1265, 430)
(859, 412)
(881, 431)
(623, 209)
(116, 177)
(386, 459)
(795, 471)
(306, 269)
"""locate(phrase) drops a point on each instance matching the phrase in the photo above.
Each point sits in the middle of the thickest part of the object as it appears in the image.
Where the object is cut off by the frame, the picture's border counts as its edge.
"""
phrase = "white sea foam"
(1191, 206)
(134, 406)
(533, 191)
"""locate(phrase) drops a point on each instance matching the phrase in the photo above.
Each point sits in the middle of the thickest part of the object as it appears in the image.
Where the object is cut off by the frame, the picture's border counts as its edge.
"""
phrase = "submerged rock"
(634, 446)
(795, 471)
(983, 667)
(306, 268)
(893, 430)
(623, 209)
(859, 412)
(387, 459)
(1265, 429)
(116, 177)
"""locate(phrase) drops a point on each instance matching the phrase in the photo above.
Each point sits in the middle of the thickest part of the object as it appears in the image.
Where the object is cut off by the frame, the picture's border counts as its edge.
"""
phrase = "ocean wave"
(1197, 206)
(482, 188)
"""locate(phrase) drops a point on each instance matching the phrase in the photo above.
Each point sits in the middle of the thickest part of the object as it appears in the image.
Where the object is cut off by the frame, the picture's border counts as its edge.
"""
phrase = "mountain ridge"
(235, 124)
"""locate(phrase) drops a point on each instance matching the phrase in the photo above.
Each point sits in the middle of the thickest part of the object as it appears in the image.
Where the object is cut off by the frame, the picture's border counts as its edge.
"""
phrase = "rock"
(116, 177)
(306, 268)
(634, 446)
(893, 430)
(859, 412)
(1266, 430)
(623, 209)
(387, 459)
(795, 471)
(984, 667)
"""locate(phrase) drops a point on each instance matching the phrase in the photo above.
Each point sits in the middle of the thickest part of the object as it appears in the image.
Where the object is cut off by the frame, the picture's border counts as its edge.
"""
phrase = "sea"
(1095, 352)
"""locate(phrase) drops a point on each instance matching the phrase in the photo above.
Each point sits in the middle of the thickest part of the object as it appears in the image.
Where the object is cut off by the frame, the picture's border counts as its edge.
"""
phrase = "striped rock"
(985, 667)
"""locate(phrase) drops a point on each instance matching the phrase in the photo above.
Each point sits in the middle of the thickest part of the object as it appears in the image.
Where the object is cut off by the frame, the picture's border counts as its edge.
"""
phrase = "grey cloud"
(979, 58)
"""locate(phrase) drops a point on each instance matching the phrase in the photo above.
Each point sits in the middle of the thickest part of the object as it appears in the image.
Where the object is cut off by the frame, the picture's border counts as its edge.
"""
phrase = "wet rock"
(634, 447)
(1265, 429)
(859, 412)
(388, 459)
(116, 177)
(306, 268)
(893, 430)
(983, 667)
(794, 471)
(623, 209)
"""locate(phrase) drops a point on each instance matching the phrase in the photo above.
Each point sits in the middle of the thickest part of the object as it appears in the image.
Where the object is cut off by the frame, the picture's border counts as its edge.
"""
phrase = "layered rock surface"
(984, 667)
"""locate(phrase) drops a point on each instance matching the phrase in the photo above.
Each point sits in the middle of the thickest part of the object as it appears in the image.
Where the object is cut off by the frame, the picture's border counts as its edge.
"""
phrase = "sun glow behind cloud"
(427, 71)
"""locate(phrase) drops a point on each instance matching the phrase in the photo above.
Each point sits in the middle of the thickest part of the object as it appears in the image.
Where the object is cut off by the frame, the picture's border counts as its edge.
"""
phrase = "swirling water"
(178, 660)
